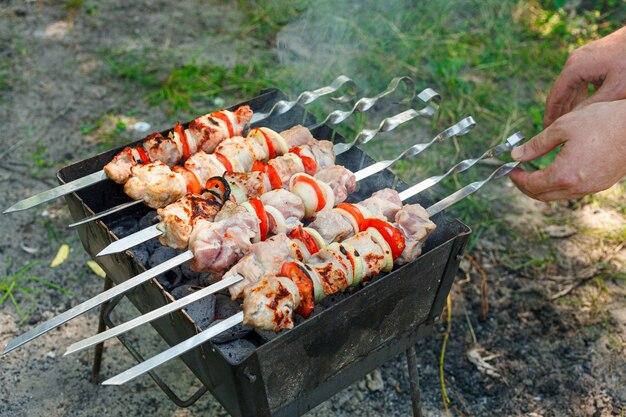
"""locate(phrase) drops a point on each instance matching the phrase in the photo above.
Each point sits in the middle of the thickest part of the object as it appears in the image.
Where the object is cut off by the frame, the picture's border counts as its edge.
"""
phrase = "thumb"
(538, 146)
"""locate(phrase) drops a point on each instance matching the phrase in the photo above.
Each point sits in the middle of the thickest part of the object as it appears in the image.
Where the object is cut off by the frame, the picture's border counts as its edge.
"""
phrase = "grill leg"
(414, 380)
(99, 349)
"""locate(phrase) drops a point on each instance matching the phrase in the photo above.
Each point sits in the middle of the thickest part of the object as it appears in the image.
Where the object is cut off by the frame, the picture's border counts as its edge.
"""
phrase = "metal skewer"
(461, 128)
(334, 118)
(464, 165)
(280, 107)
(99, 299)
(153, 315)
(151, 232)
(307, 97)
(236, 319)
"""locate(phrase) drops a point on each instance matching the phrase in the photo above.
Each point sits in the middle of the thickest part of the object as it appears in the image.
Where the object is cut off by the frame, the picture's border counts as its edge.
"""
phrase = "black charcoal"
(170, 279)
(225, 306)
(268, 335)
(202, 312)
(124, 227)
(190, 275)
(234, 333)
(141, 254)
(148, 220)
(162, 254)
(333, 299)
(236, 351)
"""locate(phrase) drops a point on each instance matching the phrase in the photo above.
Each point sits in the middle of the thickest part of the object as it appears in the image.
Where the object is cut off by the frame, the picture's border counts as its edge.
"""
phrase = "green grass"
(19, 285)
(492, 59)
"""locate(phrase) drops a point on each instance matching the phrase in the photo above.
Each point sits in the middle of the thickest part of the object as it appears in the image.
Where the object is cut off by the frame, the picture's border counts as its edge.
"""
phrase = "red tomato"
(393, 236)
(354, 212)
(224, 161)
(270, 145)
(191, 181)
(262, 215)
(220, 115)
(321, 200)
(178, 128)
(303, 281)
(304, 237)
(142, 154)
(310, 165)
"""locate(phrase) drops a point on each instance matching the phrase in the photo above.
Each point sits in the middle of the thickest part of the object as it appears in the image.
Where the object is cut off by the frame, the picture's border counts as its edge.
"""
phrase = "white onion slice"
(380, 240)
(280, 224)
(358, 263)
(349, 218)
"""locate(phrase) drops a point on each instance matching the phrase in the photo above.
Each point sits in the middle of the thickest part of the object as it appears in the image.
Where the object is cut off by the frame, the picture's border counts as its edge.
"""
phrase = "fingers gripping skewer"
(428, 96)
(146, 318)
(280, 107)
(336, 117)
(461, 128)
(308, 97)
(236, 319)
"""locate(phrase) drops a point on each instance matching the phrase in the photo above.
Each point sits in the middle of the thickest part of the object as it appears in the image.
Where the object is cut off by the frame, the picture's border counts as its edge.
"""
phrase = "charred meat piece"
(416, 225)
(155, 184)
(178, 219)
(269, 304)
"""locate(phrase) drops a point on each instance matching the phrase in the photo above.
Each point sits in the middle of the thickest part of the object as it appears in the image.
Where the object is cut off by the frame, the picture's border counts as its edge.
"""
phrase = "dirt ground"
(553, 342)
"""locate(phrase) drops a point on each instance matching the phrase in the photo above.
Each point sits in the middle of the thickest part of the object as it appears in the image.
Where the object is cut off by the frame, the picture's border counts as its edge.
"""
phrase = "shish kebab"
(275, 297)
(217, 126)
(237, 154)
(330, 226)
(155, 271)
(178, 216)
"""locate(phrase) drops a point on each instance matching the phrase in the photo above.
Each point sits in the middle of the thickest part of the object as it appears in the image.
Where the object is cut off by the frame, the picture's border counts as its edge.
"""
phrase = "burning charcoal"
(191, 275)
(202, 311)
(268, 335)
(162, 254)
(236, 351)
(148, 220)
(333, 299)
(124, 227)
(224, 308)
(141, 254)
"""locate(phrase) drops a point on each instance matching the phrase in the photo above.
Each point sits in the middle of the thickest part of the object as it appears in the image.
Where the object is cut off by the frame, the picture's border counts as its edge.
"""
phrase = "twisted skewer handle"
(307, 97)
(429, 96)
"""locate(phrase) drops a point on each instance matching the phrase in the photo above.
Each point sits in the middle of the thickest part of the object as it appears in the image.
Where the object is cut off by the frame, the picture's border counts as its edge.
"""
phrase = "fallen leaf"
(96, 269)
(559, 232)
(474, 356)
(62, 254)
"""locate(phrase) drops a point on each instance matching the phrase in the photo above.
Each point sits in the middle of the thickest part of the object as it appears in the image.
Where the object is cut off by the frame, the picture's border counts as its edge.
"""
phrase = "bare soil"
(552, 343)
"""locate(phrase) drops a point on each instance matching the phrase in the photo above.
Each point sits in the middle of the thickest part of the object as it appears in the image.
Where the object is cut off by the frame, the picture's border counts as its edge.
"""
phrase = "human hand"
(601, 63)
(592, 158)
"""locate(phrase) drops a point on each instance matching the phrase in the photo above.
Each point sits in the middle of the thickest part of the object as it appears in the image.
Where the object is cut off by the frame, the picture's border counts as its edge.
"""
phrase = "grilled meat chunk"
(332, 226)
(155, 184)
(340, 179)
(416, 225)
(270, 303)
(383, 204)
(263, 258)
(210, 130)
(178, 219)
(217, 245)
(297, 135)
(204, 166)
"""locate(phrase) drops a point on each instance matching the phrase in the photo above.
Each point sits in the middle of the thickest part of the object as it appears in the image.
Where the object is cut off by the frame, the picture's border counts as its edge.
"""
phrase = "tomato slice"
(270, 145)
(220, 115)
(393, 235)
(321, 200)
(178, 129)
(224, 161)
(310, 165)
(262, 215)
(354, 212)
(271, 173)
(219, 187)
(191, 181)
(142, 154)
(304, 237)
(303, 281)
